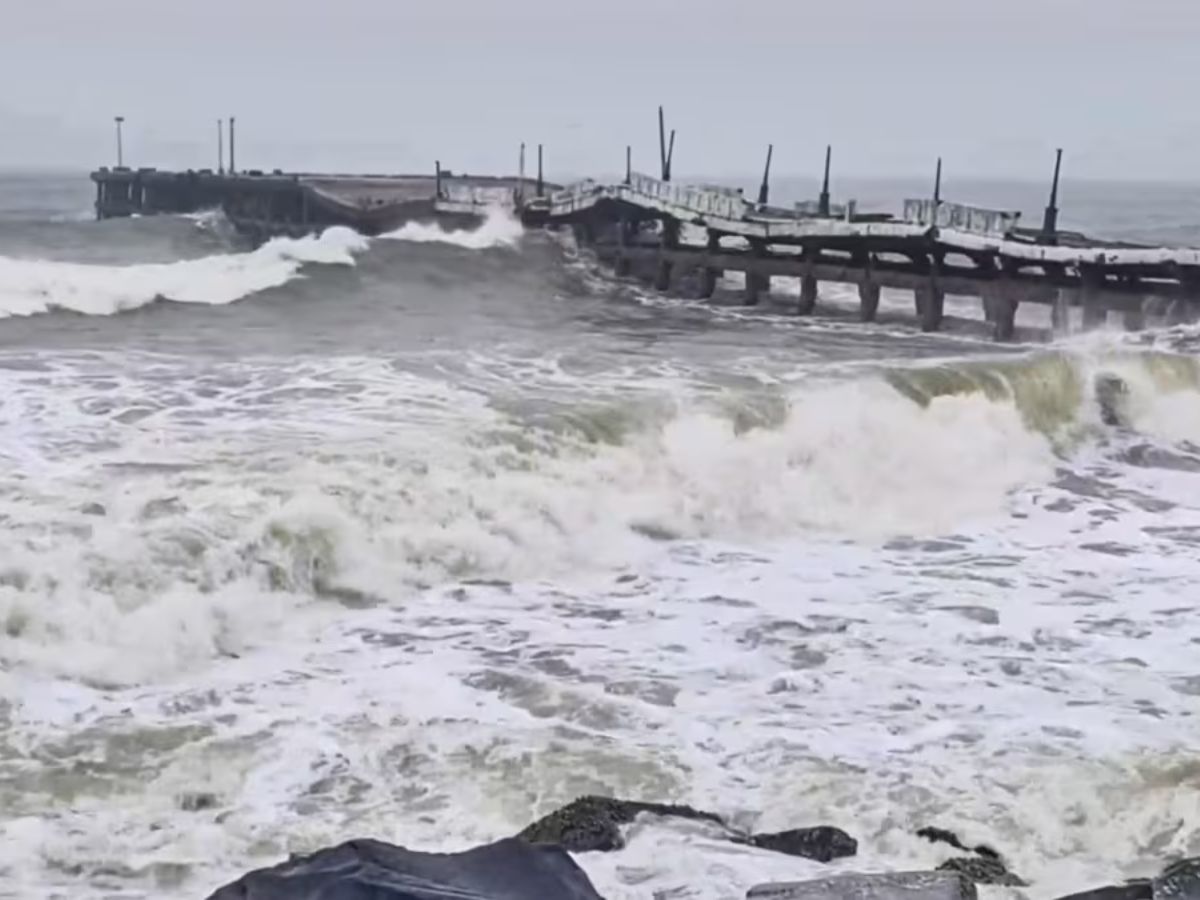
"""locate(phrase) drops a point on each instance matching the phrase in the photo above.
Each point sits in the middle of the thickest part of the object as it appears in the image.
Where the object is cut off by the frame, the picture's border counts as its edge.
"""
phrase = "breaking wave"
(498, 229)
(234, 522)
(32, 286)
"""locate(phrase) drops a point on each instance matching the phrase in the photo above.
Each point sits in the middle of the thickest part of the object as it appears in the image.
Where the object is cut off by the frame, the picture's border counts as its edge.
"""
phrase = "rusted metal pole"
(662, 145)
(823, 202)
(764, 189)
(1050, 221)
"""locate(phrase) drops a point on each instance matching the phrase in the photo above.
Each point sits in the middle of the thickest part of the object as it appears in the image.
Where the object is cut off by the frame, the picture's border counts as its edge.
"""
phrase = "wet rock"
(357, 870)
(93, 509)
(196, 801)
(1134, 890)
(594, 823)
(984, 615)
(1179, 881)
(1112, 396)
(822, 843)
(882, 886)
(983, 870)
(945, 836)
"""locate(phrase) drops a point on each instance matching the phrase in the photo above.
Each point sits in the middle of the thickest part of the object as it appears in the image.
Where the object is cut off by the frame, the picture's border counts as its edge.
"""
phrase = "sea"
(420, 537)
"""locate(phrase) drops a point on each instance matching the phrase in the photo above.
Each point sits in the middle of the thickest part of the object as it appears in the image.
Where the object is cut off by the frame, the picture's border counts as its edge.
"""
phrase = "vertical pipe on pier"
(764, 189)
(437, 179)
(521, 174)
(120, 148)
(628, 164)
(541, 184)
(823, 202)
(1050, 220)
(937, 188)
(232, 146)
(670, 155)
(220, 146)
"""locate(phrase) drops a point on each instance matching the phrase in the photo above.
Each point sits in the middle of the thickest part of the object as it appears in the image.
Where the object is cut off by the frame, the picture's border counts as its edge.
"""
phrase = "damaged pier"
(674, 233)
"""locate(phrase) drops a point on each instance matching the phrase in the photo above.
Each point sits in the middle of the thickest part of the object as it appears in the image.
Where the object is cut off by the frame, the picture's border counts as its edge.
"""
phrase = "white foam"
(500, 228)
(31, 286)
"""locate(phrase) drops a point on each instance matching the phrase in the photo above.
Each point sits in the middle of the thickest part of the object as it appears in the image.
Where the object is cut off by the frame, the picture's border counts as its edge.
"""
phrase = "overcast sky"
(390, 85)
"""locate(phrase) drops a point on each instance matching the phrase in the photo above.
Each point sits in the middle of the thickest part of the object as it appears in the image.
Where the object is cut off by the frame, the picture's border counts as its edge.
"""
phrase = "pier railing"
(960, 217)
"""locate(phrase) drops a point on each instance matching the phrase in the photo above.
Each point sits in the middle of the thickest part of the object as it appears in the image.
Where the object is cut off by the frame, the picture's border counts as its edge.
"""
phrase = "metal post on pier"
(823, 201)
(119, 120)
(232, 146)
(764, 189)
(937, 188)
(1050, 221)
(541, 183)
(670, 155)
(628, 164)
(220, 146)
(437, 179)
(521, 173)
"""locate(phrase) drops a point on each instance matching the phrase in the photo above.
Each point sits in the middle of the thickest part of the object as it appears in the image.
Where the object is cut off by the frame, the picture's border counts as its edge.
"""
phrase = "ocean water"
(419, 537)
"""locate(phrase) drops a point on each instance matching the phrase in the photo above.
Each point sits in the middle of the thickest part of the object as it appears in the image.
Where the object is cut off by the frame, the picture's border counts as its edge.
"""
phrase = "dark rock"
(196, 801)
(983, 870)
(1179, 881)
(822, 843)
(374, 870)
(594, 823)
(93, 509)
(883, 886)
(1134, 890)
(944, 836)
(1112, 396)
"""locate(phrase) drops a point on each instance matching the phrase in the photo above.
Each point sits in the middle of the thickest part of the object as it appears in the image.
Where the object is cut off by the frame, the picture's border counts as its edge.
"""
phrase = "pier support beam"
(808, 285)
(1134, 319)
(756, 283)
(930, 299)
(670, 240)
(623, 265)
(1001, 308)
(709, 275)
(868, 289)
(1094, 313)
(1060, 312)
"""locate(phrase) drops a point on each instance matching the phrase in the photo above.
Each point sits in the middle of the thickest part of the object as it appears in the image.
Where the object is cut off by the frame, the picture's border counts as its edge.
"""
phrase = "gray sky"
(390, 85)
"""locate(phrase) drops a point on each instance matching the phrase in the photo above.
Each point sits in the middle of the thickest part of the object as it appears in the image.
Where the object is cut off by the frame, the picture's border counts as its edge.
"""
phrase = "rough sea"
(419, 537)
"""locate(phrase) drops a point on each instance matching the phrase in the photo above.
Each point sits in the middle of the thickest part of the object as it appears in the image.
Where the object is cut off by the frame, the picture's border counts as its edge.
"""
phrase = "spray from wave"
(32, 286)
(498, 229)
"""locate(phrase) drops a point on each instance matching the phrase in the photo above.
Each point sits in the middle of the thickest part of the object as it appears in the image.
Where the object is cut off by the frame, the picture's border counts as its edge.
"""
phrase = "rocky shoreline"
(536, 865)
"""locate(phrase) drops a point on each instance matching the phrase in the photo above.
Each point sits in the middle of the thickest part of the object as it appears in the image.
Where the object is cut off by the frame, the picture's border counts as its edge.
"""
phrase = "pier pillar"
(756, 283)
(1001, 307)
(1178, 312)
(670, 240)
(623, 264)
(868, 300)
(931, 304)
(808, 284)
(1134, 319)
(1060, 312)
(1091, 299)
(710, 274)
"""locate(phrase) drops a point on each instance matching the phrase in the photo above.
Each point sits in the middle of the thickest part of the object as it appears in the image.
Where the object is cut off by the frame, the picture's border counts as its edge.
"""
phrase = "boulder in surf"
(374, 870)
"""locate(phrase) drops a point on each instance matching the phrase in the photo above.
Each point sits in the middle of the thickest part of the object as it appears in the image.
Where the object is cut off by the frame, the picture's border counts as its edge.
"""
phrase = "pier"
(684, 237)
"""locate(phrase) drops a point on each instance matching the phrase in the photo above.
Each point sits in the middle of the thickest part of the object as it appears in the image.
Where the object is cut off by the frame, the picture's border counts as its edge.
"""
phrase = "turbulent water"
(421, 536)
